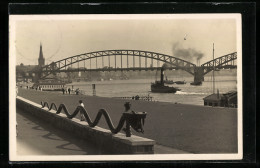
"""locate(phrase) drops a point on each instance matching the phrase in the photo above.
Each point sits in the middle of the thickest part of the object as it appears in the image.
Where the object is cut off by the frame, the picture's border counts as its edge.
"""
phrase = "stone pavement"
(36, 137)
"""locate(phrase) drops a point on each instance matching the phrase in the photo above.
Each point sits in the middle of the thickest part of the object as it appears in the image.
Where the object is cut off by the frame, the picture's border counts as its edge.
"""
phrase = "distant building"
(26, 73)
(228, 99)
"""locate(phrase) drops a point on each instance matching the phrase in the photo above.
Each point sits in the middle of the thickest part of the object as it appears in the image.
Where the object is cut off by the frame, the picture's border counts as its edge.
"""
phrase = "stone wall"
(105, 141)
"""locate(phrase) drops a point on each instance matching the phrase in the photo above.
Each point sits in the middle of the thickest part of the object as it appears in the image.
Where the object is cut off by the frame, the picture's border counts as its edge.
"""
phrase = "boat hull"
(163, 89)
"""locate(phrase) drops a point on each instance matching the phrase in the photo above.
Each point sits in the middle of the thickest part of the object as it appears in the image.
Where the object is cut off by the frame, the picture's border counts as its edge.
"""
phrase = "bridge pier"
(198, 74)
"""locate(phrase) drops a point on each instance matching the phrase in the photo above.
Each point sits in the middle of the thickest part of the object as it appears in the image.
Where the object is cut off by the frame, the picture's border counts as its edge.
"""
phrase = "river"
(189, 94)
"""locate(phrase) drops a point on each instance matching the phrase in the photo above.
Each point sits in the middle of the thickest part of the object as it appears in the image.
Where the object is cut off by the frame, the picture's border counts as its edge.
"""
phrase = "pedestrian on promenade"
(137, 97)
(77, 91)
(82, 117)
(128, 109)
(66, 90)
(69, 90)
(63, 90)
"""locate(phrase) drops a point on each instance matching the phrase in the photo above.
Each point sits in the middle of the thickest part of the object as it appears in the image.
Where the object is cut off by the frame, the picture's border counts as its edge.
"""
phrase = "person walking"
(63, 90)
(69, 90)
(82, 117)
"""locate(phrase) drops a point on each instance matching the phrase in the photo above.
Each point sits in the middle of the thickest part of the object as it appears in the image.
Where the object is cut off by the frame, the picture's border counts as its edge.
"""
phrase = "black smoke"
(189, 54)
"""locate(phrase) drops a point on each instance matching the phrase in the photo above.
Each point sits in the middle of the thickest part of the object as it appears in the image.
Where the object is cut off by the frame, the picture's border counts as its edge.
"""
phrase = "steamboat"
(159, 87)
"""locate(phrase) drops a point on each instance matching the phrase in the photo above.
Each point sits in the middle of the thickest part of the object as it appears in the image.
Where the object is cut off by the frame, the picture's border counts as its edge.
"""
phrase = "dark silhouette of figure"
(128, 110)
(82, 117)
(137, 97)
(77, 91)
(63, 90)
(69, 90)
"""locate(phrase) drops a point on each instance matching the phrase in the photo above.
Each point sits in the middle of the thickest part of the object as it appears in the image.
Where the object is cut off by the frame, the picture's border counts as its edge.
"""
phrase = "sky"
(66, 35)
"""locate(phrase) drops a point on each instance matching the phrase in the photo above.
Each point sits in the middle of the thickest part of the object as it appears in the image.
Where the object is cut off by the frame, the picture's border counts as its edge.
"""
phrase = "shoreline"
(191, 128)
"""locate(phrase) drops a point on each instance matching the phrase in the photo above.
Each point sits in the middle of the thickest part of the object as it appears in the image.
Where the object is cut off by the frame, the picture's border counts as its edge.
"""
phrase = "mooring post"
(94, 89)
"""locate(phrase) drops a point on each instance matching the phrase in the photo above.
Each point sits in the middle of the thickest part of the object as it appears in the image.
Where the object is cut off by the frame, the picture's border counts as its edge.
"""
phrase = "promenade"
(36, 137)
(190, 128)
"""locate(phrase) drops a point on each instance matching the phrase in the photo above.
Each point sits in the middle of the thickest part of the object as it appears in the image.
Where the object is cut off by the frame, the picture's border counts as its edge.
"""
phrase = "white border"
(12, 84)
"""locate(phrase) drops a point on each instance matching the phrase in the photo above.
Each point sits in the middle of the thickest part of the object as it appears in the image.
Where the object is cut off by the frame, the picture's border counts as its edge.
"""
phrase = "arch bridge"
(226, 61)
(125, 60)
(116, 60)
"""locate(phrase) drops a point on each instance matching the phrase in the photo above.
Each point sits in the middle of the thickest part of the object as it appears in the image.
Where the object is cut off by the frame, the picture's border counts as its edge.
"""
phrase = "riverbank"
(195, 129)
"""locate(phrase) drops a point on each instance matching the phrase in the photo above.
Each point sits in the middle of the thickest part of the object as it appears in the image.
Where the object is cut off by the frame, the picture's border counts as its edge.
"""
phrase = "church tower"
(41, 60)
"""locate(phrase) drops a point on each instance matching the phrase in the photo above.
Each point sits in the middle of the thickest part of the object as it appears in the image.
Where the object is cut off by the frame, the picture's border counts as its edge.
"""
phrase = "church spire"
(41, 60)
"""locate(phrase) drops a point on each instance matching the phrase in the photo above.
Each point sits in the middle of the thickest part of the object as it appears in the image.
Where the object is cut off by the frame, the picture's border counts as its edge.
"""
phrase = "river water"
(189, 94)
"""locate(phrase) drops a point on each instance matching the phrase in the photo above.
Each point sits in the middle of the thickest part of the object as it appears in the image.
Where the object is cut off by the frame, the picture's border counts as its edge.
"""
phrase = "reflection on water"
(189, 94)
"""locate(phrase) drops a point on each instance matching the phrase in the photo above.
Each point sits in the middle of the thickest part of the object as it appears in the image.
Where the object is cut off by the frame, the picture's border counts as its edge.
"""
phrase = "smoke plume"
(188, 54)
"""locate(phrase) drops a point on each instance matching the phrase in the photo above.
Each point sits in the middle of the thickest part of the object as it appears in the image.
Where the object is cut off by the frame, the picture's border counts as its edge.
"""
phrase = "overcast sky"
(63, 38)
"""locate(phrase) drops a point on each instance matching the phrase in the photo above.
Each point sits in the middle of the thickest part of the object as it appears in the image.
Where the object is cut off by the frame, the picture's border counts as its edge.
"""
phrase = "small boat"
(49, 86)
(180, 82)
(159, 87)
(168, 81)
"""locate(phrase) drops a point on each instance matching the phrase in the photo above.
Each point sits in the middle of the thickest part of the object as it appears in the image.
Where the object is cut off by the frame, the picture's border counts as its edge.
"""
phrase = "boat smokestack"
(162, 75)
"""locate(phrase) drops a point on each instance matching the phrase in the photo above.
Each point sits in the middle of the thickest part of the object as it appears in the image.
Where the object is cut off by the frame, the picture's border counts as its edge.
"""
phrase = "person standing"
(128, 110)
(69, 90)
(82, 117)
(63, 90)
(77, 91)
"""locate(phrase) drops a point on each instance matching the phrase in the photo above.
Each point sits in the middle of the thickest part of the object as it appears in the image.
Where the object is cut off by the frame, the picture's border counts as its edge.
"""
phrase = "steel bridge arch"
(173, 61)
(220, 62)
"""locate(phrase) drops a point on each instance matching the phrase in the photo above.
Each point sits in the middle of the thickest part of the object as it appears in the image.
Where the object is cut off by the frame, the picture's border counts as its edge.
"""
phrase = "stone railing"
(135, 120)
